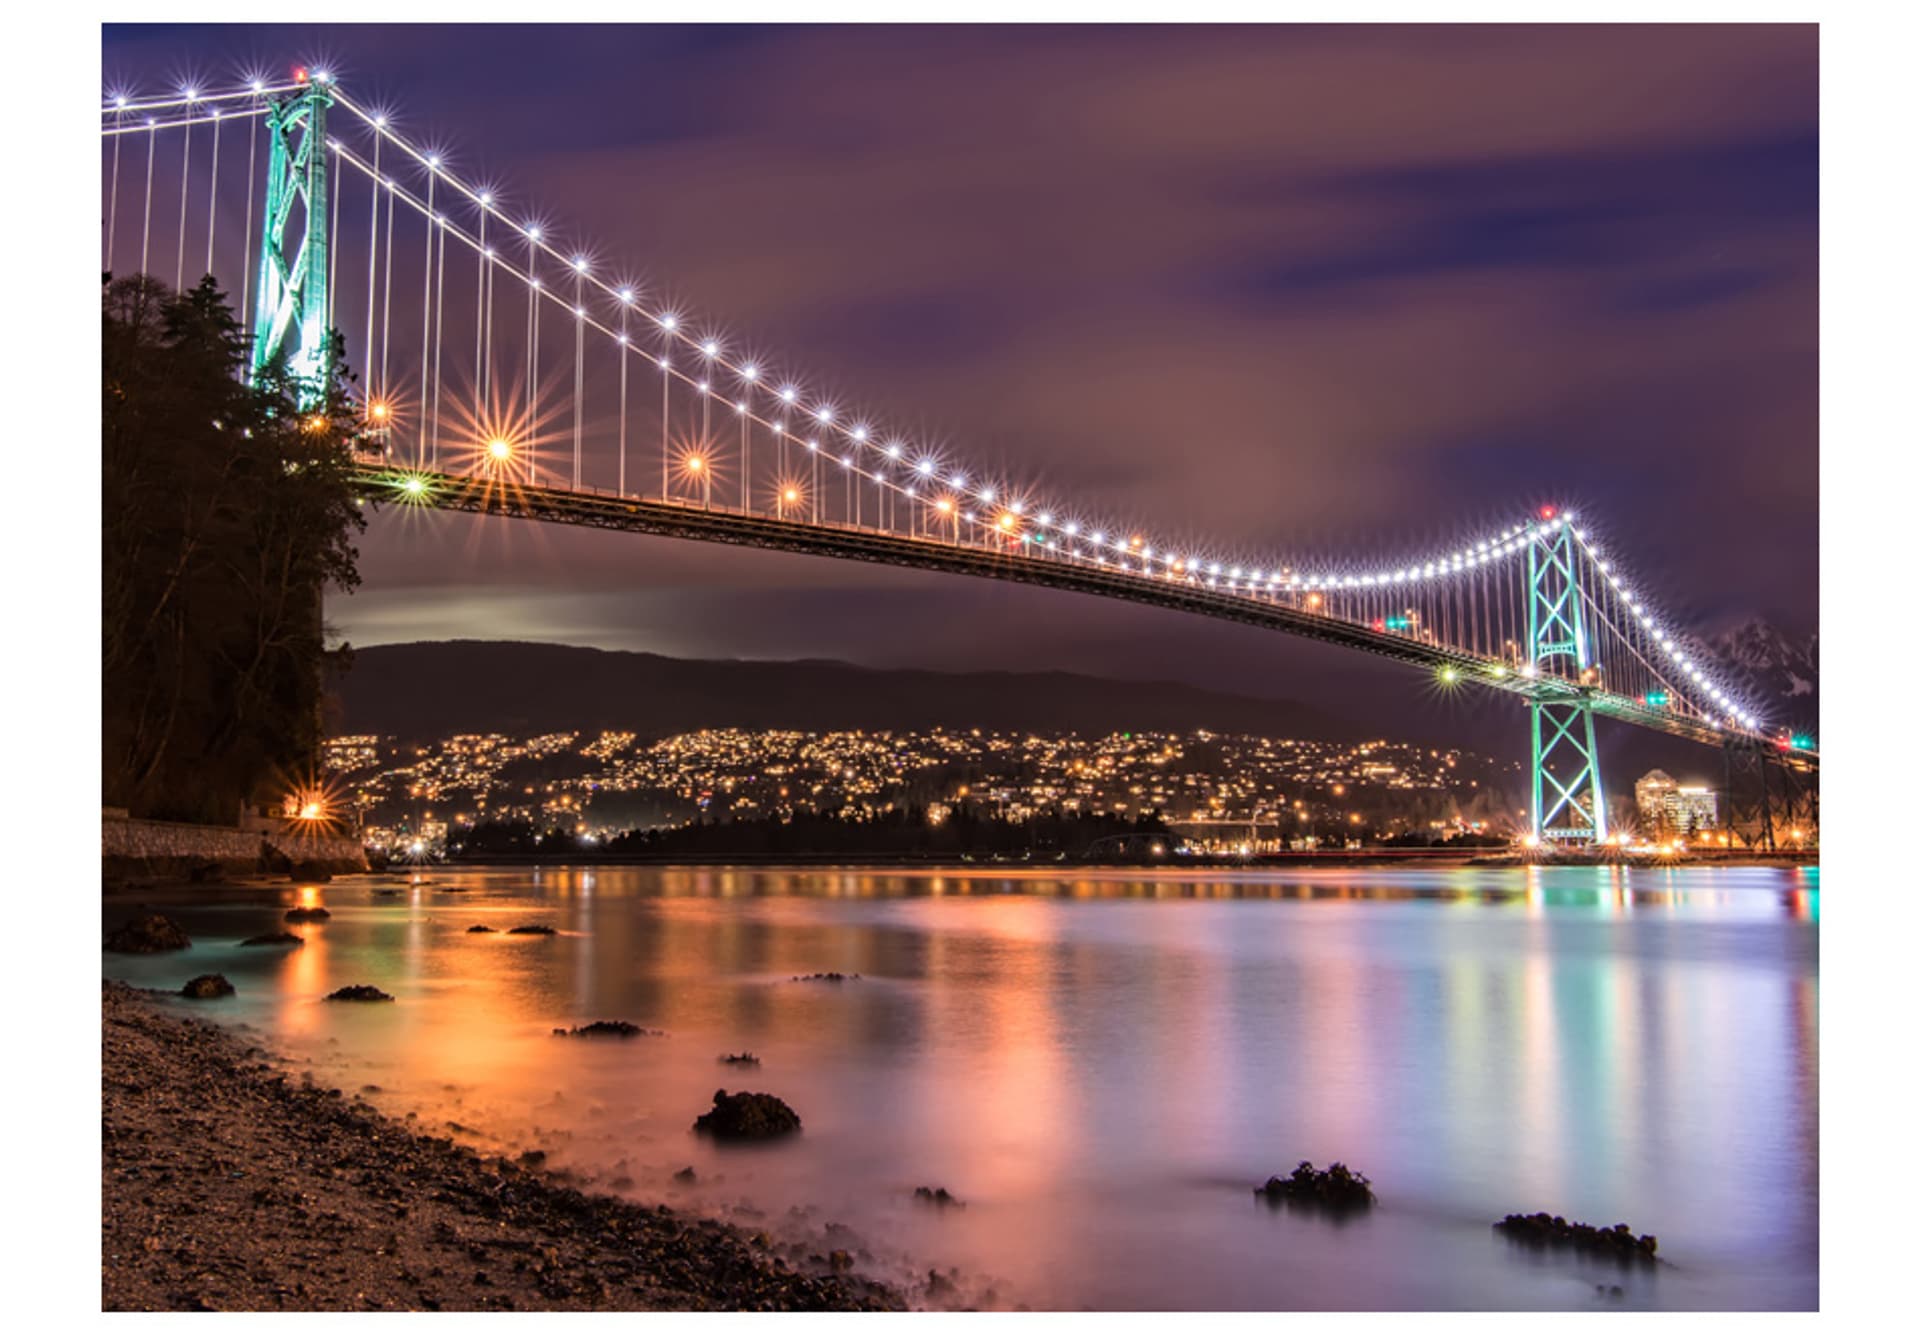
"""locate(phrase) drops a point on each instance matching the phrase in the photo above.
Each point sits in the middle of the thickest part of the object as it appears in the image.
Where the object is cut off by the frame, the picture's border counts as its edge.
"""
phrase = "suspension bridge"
(503, 372)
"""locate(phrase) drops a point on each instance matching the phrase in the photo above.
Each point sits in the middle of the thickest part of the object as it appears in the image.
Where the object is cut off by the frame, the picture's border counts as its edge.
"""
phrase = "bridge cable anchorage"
(1475, 614)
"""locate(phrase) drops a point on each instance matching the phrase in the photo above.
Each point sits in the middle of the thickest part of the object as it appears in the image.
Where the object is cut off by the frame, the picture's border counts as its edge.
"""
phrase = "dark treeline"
(226, 508)
(904, 833)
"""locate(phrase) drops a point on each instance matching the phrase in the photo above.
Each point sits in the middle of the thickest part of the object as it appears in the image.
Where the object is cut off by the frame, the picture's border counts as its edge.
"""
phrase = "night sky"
(1361, 290)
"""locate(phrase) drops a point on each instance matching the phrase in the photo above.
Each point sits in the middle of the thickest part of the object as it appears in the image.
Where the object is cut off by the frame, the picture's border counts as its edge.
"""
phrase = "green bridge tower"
(291, 318)
(1569, 804)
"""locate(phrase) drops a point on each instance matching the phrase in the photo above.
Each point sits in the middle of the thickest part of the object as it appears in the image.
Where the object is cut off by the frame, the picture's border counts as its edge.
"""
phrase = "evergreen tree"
(226, 509)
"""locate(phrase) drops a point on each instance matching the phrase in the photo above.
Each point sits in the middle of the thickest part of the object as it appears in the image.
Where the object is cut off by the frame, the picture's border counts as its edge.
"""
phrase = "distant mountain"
(427, 690)
(1778, 672)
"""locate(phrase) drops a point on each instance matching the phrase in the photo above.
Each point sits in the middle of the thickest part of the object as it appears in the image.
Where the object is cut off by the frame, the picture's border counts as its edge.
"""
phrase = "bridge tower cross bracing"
(291, 318)
(1569, 803)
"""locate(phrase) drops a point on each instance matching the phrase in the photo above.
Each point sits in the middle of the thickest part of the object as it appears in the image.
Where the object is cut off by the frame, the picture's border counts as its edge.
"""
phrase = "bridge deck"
(1028, 565)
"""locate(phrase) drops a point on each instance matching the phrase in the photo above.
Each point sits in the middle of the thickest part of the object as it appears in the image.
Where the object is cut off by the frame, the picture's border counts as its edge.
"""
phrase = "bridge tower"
(1569, 803)
(291, 318)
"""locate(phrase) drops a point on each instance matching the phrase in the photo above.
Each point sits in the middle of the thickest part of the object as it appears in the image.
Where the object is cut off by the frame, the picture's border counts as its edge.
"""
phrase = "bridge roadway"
(589, 508)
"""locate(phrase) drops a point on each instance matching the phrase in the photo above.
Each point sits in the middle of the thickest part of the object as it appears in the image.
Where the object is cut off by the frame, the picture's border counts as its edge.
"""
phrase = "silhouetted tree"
(226, 508)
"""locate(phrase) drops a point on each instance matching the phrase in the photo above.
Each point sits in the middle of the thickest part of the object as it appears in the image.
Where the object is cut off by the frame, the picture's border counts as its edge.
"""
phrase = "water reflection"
(1103, 1065)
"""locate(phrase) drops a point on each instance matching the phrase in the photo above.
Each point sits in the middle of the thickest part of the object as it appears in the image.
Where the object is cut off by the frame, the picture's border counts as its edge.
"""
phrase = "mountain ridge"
(436, 688)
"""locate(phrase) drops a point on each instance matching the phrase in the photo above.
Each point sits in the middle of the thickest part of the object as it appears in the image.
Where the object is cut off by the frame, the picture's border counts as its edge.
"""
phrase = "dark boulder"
(828, 977)
(313, 873)
(685, 1176)
(207, 986)
(276, 938)
(533, 930)
(938, 1196)
(747, 1116)
(307, 914)
(1543, 1230)
(740, 1058)
(608, 1028)
(151, 934)
(479, 929)
(1337, 1188)
(359, 993)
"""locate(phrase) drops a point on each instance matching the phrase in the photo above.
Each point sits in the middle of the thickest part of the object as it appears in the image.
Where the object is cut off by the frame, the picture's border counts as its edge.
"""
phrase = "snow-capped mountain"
(1778, 674)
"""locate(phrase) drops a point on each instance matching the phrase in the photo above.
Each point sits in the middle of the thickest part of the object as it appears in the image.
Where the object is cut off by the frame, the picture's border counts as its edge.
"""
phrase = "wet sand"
(226, 1185)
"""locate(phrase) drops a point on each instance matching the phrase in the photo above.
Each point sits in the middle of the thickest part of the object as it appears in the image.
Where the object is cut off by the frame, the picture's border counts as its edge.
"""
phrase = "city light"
(499, 450)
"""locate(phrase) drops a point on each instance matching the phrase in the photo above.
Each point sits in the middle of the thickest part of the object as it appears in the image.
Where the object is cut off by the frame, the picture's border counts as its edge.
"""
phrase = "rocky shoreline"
(225, 1185)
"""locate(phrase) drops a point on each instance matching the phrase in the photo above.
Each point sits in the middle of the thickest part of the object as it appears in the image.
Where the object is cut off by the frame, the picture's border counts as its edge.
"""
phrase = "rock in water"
(276, 938)
(359, 993)
(1338, 1188)
(937, 1195)
(207, 986)
(308, 914)
(740, 1058)
(535, 930)
(152, 934)
(747, 1116)
(312, 872)
(828, 977)
(1617, 1242)
(479, 929)
(608, 1028)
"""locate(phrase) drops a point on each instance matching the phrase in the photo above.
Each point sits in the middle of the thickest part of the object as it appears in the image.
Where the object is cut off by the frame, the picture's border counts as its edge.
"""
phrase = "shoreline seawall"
(159, 848)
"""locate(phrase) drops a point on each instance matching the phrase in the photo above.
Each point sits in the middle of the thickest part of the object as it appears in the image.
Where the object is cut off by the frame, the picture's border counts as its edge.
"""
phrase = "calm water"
(1103, 1066)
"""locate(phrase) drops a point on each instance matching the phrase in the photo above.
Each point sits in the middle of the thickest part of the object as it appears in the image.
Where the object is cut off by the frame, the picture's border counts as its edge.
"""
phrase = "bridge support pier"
(1569, 802)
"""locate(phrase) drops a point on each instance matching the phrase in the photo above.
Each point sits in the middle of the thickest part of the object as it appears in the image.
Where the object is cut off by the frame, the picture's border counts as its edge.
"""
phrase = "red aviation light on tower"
(299, 73)
(1547, 511)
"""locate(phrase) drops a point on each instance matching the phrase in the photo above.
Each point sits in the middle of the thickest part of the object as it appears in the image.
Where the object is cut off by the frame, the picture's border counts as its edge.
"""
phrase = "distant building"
(1692, 809)
(1667, 808)
(1650, 795)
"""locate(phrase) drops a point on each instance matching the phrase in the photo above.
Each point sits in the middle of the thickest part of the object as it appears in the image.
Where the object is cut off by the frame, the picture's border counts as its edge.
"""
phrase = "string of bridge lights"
(1672, 647)
(922, 468)
(856, 432)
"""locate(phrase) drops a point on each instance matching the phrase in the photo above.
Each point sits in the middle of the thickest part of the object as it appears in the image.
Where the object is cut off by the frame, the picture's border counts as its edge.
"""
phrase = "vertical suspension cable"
(579, 381)
(146, 217)
(246, 262)
(439, 330)
(186, 164)
(333, 239)
(373, 256)
(386, 305)
(113, 193)
(426, 325)
(533, 360)
(482, 265)
(666, 385)
(213, 190)
(246, 256)
(625, 355)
